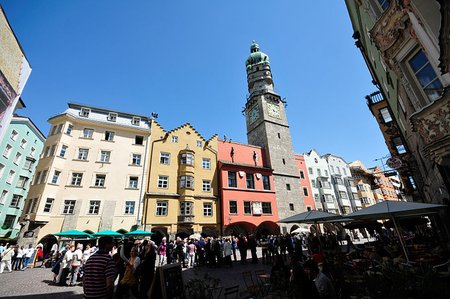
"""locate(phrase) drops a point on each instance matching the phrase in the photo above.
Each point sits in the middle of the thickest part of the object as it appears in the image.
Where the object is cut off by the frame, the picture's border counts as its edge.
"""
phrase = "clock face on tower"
(273, 110)
(253, 114)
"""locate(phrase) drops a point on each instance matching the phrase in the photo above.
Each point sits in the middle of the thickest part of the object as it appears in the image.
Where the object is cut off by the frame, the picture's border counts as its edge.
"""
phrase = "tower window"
(279, 136)
(288, 187)
(284, 162)
(291, 207)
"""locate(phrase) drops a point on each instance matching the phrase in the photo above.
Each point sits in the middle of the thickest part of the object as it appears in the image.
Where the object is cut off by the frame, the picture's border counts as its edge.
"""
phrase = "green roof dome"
(256, 57)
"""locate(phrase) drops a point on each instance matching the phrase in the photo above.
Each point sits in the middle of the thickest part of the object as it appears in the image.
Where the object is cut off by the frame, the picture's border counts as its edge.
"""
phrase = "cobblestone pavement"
(37, 283)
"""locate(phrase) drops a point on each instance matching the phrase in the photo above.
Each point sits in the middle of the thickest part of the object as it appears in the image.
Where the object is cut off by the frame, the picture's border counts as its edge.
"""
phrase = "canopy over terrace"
(312, 216)
(393, 210)
(110, 233)
(139, 233)
(74, 234)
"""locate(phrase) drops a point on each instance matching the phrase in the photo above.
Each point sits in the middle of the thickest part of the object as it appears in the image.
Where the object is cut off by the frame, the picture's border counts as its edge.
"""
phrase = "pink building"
(248, 202)
(305, 183)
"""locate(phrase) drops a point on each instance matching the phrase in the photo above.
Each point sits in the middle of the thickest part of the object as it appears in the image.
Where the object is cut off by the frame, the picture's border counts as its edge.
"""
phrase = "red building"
(305, 183)
(248, 202)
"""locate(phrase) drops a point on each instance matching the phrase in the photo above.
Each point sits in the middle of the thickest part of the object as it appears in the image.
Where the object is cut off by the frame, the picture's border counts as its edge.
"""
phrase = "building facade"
(383, 185)
(406, 47)
(267, 127)
(364, 180)
(248, 199)
(182, 194)
(91, 175)
(20, 149)
(14, 73)
(305, 183)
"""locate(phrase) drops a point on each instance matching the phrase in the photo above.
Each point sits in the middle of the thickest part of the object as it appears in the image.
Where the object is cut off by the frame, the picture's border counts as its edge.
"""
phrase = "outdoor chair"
(231, 292)
(263, 280)
(252, 287)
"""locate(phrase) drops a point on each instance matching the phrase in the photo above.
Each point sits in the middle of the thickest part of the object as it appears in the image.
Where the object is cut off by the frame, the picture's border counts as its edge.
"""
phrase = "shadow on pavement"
(51, 296)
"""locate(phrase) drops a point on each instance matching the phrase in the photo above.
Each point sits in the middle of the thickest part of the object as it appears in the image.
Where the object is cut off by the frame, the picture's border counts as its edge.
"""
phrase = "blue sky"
(185, 60)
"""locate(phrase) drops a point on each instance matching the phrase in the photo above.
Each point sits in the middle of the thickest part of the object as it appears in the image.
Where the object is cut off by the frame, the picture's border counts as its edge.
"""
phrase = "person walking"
(76, 264)
(191, 249)
(6, 259)
(162, 251)
(65, 266)
(99, 272)
(28, 253)
(146, 270)
(19, 258)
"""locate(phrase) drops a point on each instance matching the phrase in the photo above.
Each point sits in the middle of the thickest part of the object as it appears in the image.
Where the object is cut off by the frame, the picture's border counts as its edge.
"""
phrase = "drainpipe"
(219, 221)
(138, 216)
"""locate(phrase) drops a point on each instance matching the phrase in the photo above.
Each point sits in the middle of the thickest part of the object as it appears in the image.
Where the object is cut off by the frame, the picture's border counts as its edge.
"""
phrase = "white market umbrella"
(195, 236)
(301, 230)
(394, 209)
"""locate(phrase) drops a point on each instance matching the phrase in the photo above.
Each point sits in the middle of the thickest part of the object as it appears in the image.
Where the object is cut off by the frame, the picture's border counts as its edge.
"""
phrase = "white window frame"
(136, 159)
(3, 196)
(84, 112)
(100, 180)
(136, 121)
(68, 206)
(94, 207)
(133, 184)
(48, 206)
(206, 163)
(69, 129)
(63, 151)
(105, 156)
(187, 159)
(14, 135)
(186, 182)
(10, 178)
(163, 181)
(186, 208)
(174, 139)
(206, 186)
(23, 143)
(7, 151)
(17, 158)
(55, 177)
(199, 143)
(162, 208)
(109, 135)
(83, 154)
(88, 133)
(129, 207)
(207, 209)
(76, 179)
(112, 117)
(163, 158)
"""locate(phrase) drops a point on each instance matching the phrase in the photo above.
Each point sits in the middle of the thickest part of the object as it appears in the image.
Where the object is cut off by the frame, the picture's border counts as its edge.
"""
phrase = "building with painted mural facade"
(14, 73)
(248, 199)
(305, 183)
(91, 175)
(268, 127)
(182, 193)
(344, 185)
(406, 46)
(20, 148)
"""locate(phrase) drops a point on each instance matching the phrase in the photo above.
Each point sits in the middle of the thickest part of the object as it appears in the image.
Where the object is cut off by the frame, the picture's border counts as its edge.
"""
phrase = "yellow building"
(182, 194)
(90, 176)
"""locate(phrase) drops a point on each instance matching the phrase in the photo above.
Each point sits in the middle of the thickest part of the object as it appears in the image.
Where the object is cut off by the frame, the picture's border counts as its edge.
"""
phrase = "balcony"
(374, 98)
(186, 219)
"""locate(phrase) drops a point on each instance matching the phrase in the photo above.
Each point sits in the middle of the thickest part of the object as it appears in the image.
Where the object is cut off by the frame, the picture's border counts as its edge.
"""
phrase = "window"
(59, 129)
(129, 207)
(136, 159)
(22, 182)
(52, 150)
(305, 191)
(9, 221)
(291, 207)
(163, 181)
(161, 208)
(326, 172)
(48, 205)
(302, 174)
(139, 140)
(384, 4)
(338, 170)
(207, 209)
(233, 207)
(76, 179)
(69, 129)
(232, 182)
(355, 196)
(328, 198)
(83, 154)
(266, 208)
(100, 180)
(2, 168)
(316, 197)
(23, 143)
(85, 112)
(310, 170)
(397, 142)
(105, 156)
(313, 183)
(325, 184)
(284, 161)
(17, 158)
(46, 152)
(331, 169)
(338, 181)
(7, 151)
(88, 133)
(15, 201)
(187, 159)
(206, 186)
(345, 171)
(14, 135)
(10, 177)
(385, 115)
(32, 152)
(186, 208)
(426, 76)
(43, 177)
(288, 187)
(109, 135)
(112, 116)
(136, 121)
(37, 177)
(94, 207)
(412, 182)
(199, 143)
(343, 195)
(164, 158)
(266, 182)
(247, 207)
(319, 173)
(174, 139)
(3, 196)
(187, 181)
(56, 177)
(250, 180)
(63, 151)
(133, 182)
(206, 163)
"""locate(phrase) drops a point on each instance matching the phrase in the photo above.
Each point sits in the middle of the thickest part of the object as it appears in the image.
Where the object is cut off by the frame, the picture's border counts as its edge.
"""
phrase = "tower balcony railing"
(374, 98)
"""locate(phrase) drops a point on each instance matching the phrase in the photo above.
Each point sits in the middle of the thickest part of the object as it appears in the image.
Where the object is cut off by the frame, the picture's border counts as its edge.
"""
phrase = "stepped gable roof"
(158, 124)
(190, 127)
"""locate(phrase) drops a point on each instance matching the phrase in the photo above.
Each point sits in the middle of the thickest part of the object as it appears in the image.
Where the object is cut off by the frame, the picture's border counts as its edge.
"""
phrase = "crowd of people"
(15, 258)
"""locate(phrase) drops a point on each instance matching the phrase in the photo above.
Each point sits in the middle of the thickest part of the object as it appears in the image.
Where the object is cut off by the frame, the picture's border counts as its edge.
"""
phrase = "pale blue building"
(19, 153)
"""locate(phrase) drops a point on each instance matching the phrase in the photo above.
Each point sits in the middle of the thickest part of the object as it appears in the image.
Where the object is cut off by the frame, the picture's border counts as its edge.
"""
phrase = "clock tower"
(267, 126)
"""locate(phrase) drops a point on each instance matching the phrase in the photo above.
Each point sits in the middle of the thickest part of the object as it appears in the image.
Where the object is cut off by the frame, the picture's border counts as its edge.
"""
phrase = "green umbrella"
(139, 233)
(108, 233)
(73, 234)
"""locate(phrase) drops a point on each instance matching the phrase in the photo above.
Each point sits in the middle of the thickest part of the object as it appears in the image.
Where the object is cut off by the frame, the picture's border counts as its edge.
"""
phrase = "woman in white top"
(18, 262)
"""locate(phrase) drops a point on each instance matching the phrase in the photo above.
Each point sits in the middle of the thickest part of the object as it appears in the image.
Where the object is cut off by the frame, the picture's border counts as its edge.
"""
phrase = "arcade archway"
(235, 229)
(159, 234)
(47, 243)
(266, 228)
